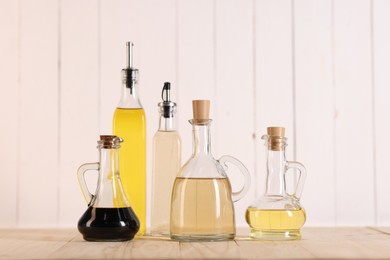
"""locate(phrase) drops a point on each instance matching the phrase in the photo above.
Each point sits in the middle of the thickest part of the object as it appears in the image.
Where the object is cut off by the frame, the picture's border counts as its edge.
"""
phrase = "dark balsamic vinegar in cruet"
(108, 224)
(109, 216)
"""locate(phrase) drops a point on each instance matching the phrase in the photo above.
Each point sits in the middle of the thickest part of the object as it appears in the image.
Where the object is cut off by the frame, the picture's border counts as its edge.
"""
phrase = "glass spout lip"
(200, 121)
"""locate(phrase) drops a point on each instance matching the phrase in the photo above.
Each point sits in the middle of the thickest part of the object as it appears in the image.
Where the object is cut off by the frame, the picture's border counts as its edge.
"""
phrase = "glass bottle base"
(203, 237)
(275, 234)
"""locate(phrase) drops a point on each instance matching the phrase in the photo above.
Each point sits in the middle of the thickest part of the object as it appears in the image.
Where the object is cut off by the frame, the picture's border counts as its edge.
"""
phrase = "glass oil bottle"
(109, 216)
(166, 164)
(130, 124)
(277, 215)
(202, 198)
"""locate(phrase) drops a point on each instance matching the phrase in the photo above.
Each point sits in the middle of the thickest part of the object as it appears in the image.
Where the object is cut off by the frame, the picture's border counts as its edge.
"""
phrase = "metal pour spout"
(129, 55)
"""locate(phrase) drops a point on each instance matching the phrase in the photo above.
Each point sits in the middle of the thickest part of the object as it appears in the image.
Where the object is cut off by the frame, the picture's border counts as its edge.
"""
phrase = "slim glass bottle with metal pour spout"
(166, 164)
(202, 198)
(277, 215)
(129, 123)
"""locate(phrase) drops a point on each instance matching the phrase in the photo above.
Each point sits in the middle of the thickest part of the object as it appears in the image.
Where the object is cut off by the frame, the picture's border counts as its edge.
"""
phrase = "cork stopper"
(109, 142)
(276, 131)
(275, 138)
(200, 110)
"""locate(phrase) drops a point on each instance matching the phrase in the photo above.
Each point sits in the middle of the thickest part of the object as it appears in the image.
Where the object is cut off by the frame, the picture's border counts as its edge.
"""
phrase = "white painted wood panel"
(234, 93)
(314, 108)
(381, 65)
(312, 56)
(273, 77)
(79, 59)
(195, 65)
(9, 107)
(355, 203)
(39, 136)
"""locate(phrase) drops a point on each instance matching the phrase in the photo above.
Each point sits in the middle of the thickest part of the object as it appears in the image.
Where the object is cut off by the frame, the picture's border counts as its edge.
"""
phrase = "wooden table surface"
(317, 243)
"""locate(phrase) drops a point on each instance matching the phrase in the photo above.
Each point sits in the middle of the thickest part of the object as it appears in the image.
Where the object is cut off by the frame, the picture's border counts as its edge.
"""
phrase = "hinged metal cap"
(167, 107)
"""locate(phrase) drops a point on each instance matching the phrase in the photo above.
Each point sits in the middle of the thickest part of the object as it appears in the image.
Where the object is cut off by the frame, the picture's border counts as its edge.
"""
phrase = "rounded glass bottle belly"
(202, 208)
(275, 219)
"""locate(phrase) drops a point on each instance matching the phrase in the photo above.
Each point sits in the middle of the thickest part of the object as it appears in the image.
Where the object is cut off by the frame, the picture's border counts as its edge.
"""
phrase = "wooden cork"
(276, 139)
(275, 131)
(201, 110)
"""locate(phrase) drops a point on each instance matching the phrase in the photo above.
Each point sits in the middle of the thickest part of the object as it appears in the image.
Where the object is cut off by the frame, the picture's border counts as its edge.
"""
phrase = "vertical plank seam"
(59, 104)
(254, 80)
(99, 67)
(180, 246)
(372, 35)
(18, 149)
(177, 69)
(334, 108)
(215, 81)
(293, 82)
(242, 254)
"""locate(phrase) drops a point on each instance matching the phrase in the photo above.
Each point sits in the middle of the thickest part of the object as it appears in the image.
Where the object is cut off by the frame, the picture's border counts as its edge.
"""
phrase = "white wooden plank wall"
(39, 123)
(314, 90)
(381, 80)
(320, 68)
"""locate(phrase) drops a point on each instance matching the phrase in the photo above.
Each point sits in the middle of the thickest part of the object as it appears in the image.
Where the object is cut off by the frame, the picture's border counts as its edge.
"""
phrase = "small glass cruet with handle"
(109, 216)
(277, 215)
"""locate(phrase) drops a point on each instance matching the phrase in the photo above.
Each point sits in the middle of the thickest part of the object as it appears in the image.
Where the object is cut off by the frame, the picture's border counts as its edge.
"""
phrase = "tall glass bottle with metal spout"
(129, 123)
(277, 215)
(166, 163)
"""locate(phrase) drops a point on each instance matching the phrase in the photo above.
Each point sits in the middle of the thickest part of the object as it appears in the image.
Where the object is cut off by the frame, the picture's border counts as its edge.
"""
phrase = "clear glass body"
(166, 165)
(129, 122)
(109, 216)
(202, 205)
(277, 215)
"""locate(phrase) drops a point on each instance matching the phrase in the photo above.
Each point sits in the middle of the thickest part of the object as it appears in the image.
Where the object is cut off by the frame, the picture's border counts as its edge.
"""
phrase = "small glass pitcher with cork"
(277, 215)
(202, 198)
(109, 216)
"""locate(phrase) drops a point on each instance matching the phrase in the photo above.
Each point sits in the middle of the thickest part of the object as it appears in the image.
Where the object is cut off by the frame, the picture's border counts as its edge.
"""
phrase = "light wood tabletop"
(317, 243)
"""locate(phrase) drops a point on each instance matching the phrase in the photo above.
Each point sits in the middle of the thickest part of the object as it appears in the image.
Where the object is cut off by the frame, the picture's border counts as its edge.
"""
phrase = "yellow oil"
(275, 224)
(202, 209)
(130, 125)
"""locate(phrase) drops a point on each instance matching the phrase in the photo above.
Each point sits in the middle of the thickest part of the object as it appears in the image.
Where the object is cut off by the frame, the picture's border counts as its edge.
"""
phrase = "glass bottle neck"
(109, 192)
(201, 138)
(167, 124)
(276, 184)
(109, 163)
(130, 97)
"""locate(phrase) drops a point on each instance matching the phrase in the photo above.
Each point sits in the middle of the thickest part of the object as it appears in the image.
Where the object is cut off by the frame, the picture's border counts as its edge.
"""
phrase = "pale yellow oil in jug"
(268, 222)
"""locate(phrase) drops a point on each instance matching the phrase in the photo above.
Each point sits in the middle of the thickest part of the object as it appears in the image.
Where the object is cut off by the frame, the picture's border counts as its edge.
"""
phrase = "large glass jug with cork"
(109, 216)
(202, 198)
(277, 215)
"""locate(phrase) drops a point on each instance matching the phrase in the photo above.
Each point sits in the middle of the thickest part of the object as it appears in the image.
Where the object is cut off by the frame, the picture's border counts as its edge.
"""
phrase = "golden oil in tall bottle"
(129, 123)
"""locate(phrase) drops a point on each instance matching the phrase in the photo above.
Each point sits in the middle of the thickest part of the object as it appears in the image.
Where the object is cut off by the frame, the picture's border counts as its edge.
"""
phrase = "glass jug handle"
(247, 177)
(302, 177)
(83, 185)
